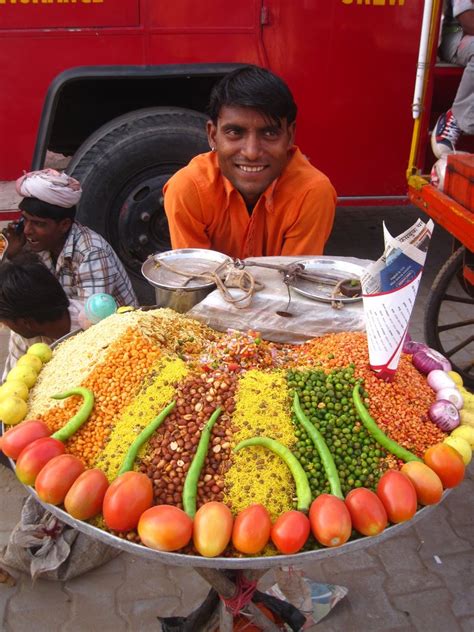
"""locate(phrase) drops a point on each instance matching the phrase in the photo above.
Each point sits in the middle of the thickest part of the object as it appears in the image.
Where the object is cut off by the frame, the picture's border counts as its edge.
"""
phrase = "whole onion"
(428, 359)
(444, 414)
(452, 395)
(439, 379)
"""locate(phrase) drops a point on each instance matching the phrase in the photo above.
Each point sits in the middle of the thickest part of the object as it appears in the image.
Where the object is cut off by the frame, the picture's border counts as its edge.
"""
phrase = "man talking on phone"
(82, 261)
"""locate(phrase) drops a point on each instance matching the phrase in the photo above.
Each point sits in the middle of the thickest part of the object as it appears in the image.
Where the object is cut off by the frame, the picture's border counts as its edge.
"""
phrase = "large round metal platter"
(257, 562)
(335, 269)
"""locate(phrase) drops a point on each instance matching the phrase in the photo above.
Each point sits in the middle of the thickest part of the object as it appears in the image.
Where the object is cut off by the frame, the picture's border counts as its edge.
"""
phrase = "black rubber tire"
(451, 270)
(122, 168)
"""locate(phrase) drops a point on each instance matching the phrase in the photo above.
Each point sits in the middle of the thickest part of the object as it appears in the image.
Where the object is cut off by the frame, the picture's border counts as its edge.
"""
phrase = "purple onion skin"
(429, 360)
(411, 347)
(444, 414)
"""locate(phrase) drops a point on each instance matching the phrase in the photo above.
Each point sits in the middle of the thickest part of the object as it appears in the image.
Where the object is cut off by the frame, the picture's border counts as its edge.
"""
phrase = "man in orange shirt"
(254, 193)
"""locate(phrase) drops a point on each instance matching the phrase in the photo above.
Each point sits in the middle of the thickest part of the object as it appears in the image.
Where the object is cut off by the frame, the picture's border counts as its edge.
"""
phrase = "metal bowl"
(174, 290)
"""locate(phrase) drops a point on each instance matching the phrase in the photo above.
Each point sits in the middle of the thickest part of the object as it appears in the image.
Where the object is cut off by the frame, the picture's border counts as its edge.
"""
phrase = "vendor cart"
(449, 313)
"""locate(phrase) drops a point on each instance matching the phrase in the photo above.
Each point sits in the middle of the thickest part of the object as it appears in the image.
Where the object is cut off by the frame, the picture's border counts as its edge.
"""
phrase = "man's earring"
(213, 149)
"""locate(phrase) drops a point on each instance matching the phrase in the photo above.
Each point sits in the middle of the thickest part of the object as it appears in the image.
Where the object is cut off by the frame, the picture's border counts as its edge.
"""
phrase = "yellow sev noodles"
(157, 392)
(256, 474)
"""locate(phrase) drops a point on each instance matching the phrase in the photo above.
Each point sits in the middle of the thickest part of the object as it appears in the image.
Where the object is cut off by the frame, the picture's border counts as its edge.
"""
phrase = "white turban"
(49, 185)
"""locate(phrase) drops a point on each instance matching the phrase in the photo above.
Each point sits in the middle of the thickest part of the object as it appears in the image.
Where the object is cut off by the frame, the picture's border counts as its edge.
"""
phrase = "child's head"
(30, 296)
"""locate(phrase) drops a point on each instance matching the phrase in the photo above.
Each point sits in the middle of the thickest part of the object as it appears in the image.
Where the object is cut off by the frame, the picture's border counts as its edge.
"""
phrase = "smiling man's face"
(252, 150)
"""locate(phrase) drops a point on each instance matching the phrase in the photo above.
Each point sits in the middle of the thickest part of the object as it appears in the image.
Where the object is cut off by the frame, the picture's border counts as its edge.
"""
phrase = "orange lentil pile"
(114, 382)
(399, 407)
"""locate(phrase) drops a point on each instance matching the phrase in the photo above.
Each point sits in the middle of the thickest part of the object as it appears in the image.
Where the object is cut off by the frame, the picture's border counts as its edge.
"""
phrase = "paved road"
(422, 579)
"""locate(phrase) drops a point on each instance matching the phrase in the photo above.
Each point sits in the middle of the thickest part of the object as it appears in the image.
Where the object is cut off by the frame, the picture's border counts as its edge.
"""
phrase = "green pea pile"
(326, 399)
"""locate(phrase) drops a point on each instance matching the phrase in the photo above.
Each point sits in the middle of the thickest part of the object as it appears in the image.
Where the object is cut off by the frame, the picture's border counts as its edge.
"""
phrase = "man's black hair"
(257, 88)
(29, 290)
(38, 208)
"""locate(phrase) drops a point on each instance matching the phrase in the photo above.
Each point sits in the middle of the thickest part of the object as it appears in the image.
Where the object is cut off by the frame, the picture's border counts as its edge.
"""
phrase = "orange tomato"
(368, 514)
(330, 520)
(446, 462)
(34, 457)
(212, 528)
(54, 480)
(165, 528)
(427, 483)
(290, 532)
(126, 499)
(86, 495)
(18, 437)
(398, 495)
(251, 530)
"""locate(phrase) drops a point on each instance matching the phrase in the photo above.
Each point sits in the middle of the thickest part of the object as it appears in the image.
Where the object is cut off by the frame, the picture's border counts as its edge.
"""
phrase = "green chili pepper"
(322, 448)
(377, 433)
(143, 437)
(82, 415)
(303, 491)
(192, 477)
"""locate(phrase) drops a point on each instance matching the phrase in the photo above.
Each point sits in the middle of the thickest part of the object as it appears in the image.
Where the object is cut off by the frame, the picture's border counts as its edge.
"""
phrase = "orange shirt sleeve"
(183, 209)
(313, 222)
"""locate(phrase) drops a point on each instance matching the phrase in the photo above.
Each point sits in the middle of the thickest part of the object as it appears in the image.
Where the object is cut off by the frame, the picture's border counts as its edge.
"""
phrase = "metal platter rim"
(183, 559)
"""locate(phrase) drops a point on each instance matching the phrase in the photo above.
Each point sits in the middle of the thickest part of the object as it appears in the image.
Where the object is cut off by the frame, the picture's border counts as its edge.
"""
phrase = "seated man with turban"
(82, 261)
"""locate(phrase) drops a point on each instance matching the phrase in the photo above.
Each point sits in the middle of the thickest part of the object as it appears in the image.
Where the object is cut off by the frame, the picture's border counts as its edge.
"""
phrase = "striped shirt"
(18, 346)
(87, 265)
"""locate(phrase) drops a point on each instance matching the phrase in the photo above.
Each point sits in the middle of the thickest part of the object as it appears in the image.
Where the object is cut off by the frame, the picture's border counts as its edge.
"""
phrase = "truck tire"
(122, 168)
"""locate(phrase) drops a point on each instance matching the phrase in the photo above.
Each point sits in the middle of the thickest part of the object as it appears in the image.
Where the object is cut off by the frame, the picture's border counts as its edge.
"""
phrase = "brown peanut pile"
(172, 448)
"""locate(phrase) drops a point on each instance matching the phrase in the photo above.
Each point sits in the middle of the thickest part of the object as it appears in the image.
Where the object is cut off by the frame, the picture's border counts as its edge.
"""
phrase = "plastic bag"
(45, 547)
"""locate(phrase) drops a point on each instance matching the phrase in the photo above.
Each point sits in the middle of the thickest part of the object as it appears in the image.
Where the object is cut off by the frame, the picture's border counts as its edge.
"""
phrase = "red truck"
(122, 86)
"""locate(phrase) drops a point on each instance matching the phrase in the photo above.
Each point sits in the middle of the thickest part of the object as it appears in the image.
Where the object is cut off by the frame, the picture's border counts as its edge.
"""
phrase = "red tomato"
(330, 520)
(368, 514)
(18, 437)
(86, 495)
(126, 499)
(54, 480)
(212, 528)
(165, 528)
(446, 462)
(426, 482)
(34, 457)
(398, 495)
(290, 532)
(251, 530)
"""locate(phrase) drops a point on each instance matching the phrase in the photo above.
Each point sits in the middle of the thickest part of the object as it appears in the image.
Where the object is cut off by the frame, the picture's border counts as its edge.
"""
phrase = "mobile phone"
(20, 226)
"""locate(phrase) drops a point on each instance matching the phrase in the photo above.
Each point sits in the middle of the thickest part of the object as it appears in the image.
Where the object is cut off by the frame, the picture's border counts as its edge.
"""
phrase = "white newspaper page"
(389, 288)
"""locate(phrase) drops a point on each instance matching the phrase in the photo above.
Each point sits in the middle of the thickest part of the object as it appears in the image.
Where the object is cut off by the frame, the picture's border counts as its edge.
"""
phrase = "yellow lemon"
(30, 360)
(14, 387)
(13, 410)
(124, 309)
(465, 432)
(461, 446)
(23, 373)
(41, 350)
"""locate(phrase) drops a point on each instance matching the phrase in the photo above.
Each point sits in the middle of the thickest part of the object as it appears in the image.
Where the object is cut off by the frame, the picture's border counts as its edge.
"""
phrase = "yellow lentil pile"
(157, 392)
(257, 475)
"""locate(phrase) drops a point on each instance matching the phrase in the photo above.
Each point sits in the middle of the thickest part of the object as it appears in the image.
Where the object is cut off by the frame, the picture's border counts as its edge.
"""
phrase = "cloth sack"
(45, 547)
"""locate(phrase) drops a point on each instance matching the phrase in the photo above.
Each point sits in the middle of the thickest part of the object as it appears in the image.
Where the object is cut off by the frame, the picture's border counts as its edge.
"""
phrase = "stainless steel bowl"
(179, 292)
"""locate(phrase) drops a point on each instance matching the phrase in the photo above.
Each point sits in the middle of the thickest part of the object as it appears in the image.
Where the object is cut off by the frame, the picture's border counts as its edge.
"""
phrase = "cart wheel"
(449, 317)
